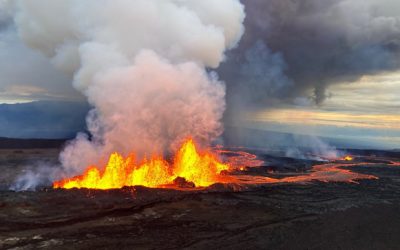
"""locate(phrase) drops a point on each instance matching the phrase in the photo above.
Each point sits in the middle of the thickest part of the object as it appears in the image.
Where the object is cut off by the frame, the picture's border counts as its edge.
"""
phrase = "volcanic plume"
(142, 66)
(294, 47)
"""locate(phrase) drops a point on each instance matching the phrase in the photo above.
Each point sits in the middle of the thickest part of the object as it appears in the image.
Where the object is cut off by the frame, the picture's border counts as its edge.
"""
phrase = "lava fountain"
(348, 158)
(191, 167)
(202, 168)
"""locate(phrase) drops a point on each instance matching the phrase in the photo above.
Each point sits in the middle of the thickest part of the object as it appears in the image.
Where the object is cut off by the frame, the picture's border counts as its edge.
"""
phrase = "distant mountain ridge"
(42, 119)
(11, 143)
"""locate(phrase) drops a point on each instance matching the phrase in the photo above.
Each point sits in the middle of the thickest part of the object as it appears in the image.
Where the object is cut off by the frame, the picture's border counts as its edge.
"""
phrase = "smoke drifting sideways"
(142, 66)
(293, 50)
(297, 48)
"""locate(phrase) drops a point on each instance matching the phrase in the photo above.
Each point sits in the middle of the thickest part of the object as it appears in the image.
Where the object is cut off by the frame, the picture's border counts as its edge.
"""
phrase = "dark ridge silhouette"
(10, 143)
(42, 119)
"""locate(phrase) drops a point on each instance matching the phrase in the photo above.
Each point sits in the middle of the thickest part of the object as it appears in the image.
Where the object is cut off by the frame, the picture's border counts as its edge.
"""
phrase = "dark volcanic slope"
(285, 216)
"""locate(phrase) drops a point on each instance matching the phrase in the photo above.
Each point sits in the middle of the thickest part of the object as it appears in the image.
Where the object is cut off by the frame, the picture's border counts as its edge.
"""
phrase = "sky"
(365, 112)
(27, 75)
(329, 69)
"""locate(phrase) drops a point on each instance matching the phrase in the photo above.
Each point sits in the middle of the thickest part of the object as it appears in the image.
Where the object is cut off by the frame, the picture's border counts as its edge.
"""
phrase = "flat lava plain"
(316, 215)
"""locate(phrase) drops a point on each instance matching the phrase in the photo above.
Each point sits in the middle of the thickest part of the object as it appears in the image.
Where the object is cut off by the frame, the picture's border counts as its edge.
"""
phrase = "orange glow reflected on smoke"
(201, 168)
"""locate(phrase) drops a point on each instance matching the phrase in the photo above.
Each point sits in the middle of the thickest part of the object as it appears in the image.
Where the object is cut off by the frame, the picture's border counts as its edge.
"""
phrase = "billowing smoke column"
(141, 64)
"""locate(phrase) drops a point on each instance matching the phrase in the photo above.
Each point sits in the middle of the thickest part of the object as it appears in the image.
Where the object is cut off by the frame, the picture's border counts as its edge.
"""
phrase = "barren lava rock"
(317, 215)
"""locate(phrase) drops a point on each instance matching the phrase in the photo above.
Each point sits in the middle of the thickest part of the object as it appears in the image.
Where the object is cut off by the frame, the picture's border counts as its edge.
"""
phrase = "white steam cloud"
(141, 64)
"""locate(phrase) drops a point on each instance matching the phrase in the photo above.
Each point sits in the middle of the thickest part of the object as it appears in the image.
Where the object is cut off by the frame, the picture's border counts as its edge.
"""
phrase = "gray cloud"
(259, 74)
(318, 43)
(28, 75)
(289, 48)
(6, 8)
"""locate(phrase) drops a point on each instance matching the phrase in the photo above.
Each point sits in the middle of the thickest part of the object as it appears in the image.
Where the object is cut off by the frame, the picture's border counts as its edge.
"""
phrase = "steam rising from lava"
(141, 64)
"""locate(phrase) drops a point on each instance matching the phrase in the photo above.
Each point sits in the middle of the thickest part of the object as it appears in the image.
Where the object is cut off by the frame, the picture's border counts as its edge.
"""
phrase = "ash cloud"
(258, 74)
(318, 43)
(293, 50)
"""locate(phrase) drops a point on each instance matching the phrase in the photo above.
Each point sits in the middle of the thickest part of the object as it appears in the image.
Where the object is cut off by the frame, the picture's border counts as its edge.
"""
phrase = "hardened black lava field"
(315, 215)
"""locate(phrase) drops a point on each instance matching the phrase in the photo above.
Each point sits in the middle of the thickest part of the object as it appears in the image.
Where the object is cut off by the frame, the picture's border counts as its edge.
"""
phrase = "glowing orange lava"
(327, 172)
(201, 168)
(348, 158)
(240, 159)
(193, 168)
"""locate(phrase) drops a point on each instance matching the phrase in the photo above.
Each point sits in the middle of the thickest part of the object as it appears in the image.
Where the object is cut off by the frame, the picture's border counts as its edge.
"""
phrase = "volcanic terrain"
(306, 213)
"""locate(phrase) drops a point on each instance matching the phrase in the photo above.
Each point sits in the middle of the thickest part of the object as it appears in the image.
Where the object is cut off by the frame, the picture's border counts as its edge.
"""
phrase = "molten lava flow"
(201, 168)
(240, 159)
(348, 158)
(194, 168)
